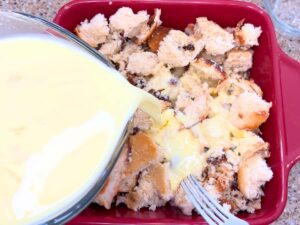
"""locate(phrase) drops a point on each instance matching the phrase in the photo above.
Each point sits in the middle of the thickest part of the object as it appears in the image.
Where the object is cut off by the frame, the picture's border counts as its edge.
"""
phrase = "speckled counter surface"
(291, 214)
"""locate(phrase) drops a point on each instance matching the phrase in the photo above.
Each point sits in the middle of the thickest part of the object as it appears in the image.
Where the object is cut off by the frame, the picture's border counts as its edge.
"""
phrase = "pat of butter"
(180, 147)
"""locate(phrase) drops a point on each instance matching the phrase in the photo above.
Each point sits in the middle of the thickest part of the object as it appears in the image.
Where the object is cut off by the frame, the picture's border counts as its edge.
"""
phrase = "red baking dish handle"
(290, 81)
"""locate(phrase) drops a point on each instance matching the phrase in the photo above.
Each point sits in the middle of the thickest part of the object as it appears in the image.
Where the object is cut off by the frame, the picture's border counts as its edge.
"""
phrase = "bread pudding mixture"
(211, 117)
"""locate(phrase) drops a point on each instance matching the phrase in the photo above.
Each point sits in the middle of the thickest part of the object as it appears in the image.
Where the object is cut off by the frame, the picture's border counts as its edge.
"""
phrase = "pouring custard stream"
(62, 115)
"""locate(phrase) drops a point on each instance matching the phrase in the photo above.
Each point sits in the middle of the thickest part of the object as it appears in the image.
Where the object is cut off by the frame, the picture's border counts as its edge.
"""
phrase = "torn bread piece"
(194, 109)
(158, 175)
(184, 99)
(247, 35)
(192, 84)
(177, 49)
(197, 110)
(93, 32)
(251, 148)
(141, 121)
(216, 39)
(163, 84)
(249, 111)
(121, 59)
(238, 61)
(148, 29)
(180, 200)
(189, 29)
(128, 183)
(153, 189)
(143, 153)
(112, 46)
(218, 176)
(113, 182)
(157, 36)
(128, 23)
(251, 185)
(235, 86)
(142, 63)
(218, 59)
(208, 71)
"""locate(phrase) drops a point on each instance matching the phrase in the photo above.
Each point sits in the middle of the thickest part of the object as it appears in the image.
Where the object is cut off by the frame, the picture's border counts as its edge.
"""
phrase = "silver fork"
(207, 206)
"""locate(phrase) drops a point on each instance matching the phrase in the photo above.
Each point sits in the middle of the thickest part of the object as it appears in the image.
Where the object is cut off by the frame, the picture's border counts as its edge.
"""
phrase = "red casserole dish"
(276, 73)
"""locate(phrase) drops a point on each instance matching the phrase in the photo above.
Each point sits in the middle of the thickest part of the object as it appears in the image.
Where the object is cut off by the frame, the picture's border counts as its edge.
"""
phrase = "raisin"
(141, 83)
(234, 184)
(189, 47)
(99, 46)
(159, 95)
(206, 148)
(232, 148)
(217, 160)
(230, 89)
(135, 130)
(173, 81)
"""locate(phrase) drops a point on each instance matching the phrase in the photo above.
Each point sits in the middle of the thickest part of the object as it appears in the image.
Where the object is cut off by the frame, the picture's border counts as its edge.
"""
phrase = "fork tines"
(206, 205)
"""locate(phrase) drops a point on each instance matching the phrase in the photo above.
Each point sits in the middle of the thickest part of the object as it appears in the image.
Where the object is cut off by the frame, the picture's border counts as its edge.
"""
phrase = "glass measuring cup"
(14, 24)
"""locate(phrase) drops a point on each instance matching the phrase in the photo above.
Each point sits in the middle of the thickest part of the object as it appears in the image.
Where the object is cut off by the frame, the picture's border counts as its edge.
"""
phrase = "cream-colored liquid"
(184, 148)
(62, 114)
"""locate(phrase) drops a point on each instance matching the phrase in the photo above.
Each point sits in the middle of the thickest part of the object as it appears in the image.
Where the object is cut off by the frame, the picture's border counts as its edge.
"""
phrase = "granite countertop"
(291, 214)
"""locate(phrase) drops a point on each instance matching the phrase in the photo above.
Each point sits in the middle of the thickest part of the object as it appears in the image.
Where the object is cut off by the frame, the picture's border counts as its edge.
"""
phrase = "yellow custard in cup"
(62, 115)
